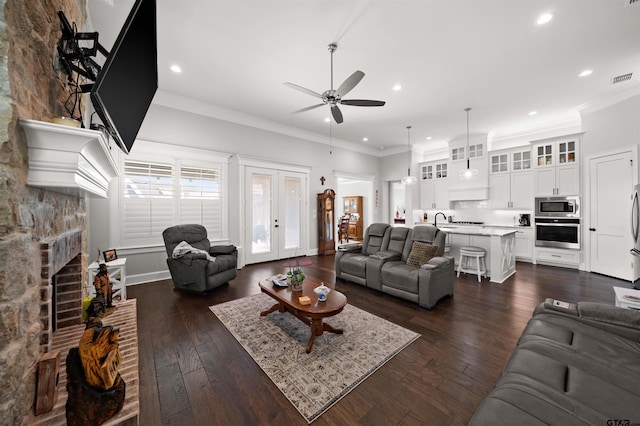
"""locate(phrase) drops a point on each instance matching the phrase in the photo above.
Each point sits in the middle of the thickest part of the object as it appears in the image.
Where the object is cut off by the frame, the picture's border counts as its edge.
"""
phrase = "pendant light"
(468, 173)
(408, 179)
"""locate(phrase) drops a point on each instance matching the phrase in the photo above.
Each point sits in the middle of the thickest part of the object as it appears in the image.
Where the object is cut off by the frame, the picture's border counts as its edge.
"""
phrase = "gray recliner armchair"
(193, 271)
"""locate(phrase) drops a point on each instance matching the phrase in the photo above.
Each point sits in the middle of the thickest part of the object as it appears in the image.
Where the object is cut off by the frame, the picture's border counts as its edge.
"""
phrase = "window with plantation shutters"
(148, 205)
(200, 198)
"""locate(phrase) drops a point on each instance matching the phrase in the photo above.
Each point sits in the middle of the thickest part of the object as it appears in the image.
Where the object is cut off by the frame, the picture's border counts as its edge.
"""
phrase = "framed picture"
(110, 255)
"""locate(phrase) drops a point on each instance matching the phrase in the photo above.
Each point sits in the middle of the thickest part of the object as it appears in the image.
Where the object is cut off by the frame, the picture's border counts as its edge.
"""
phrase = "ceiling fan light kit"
(332, 97)
(468, 173)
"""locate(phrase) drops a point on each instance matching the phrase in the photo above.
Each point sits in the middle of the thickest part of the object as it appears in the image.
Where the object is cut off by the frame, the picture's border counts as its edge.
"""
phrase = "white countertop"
(479, 230)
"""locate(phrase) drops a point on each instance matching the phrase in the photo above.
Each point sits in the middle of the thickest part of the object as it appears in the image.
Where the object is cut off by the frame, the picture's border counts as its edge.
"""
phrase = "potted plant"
(296, 276)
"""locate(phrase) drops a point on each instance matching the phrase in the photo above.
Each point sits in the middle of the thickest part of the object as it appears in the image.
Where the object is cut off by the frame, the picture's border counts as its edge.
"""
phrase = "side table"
(624, 301)
(117, 276)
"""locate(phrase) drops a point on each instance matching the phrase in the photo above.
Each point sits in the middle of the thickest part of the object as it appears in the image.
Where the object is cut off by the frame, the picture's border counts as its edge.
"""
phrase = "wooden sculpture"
(100, 356)
(95, 389)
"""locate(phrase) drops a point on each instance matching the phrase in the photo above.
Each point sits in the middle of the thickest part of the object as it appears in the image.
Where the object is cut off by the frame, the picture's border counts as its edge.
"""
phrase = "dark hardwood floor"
(194, 372)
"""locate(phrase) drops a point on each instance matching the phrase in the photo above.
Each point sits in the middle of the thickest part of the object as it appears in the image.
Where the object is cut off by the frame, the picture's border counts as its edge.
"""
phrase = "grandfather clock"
(326, 223)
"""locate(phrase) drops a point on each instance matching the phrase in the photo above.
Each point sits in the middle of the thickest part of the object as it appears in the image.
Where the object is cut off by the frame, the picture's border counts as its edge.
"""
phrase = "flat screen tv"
(128, 80)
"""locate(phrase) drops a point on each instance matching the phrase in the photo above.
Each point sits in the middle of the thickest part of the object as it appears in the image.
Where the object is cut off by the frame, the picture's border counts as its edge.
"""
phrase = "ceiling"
(447, 55)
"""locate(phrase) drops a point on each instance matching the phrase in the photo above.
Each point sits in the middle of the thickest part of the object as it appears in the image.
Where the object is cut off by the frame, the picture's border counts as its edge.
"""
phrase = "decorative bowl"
(322, 291)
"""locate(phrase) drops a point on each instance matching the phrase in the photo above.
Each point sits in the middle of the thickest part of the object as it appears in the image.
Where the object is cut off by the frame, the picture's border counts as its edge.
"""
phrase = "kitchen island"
(498, 242)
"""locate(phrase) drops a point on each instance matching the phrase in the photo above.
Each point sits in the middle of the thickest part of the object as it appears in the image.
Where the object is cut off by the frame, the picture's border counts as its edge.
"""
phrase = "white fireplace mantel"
(69, 160)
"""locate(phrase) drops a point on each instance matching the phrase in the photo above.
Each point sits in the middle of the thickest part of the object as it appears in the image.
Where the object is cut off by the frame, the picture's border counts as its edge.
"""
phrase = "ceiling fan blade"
(304, 90)
(307, 108)
(337, 115)
(362, 102)
(349, 83)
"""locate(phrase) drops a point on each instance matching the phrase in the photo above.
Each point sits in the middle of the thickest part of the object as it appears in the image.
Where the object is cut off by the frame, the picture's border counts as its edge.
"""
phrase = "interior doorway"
(397, 202)
(349, 185)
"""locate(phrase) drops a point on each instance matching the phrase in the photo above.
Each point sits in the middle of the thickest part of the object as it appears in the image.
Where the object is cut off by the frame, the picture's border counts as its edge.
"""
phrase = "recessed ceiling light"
(533, 112)
(176, 69)
(326, 120)
(429, 138)
(365, 139)
(545, 18)
(585, 73)
(397, 88)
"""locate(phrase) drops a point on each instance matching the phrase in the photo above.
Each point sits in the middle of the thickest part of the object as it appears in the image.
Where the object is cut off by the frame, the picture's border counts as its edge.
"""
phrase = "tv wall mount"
(75, 53)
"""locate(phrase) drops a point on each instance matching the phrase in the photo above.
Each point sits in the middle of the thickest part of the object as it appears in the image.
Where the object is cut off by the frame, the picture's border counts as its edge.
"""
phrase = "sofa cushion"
(396, 274)
(421, 253)
(354, 264)
(374, 240)
(398, 238)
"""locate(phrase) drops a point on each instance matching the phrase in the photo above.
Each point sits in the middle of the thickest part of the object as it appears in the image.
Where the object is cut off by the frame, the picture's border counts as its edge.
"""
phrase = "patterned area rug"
(337, 362)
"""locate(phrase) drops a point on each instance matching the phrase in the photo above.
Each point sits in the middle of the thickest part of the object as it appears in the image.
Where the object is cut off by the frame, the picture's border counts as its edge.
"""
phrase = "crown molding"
(608, 100)
(194, 106)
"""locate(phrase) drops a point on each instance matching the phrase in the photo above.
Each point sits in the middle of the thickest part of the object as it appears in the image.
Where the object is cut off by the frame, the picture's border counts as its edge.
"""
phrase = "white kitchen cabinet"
(524, 244)
(511, 179)
(561, 180)
(434, 185)
(556, 167)
(555, 256)
(511, 190)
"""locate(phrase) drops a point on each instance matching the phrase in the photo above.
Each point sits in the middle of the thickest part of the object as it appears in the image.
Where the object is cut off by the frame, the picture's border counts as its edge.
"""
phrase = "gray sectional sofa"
(572, 366)
(380, 262)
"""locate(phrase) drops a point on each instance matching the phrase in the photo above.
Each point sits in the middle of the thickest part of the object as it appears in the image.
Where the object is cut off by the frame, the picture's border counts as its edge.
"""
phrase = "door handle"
(592, 229)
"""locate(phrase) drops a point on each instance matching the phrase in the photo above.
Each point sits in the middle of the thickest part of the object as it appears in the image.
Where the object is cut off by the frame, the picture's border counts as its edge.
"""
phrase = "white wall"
(171, 126)
(606, 129)
(617, 126)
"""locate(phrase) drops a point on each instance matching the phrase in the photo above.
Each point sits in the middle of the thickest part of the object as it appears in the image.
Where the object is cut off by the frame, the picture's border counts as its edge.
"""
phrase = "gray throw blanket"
(184, 247)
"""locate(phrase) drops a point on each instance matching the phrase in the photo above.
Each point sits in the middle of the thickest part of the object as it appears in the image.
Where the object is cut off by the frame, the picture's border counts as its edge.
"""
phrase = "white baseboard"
(148, 277)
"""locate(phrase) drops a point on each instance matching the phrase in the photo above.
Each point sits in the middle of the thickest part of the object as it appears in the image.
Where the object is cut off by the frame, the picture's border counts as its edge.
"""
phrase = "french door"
(275, 225)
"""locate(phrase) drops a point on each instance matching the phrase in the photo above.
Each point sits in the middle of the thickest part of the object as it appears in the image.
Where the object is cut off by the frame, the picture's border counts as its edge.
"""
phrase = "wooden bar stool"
(467, 254)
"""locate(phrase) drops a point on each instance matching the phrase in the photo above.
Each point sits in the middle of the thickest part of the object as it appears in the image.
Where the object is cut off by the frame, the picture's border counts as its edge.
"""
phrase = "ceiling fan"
(333, 97)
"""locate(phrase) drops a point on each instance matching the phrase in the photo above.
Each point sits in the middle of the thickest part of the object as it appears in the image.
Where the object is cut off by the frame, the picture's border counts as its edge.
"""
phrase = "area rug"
(337, 363)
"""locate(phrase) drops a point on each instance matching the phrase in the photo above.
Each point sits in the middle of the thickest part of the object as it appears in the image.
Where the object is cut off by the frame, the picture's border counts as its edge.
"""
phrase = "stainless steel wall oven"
(558, 232)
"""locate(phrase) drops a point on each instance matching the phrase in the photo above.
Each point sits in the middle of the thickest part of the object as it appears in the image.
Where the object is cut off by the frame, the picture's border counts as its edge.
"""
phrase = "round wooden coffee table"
(311, 314)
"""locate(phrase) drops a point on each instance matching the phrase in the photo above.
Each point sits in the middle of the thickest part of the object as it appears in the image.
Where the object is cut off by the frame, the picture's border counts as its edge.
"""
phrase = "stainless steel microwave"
(558, 207)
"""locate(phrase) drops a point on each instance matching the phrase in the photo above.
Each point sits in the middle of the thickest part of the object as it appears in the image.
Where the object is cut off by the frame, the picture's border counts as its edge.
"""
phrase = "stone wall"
(29, 88)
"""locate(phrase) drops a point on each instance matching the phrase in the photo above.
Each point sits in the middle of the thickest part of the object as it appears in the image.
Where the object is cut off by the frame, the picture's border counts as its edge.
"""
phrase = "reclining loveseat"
(574, 365)
(405, 262)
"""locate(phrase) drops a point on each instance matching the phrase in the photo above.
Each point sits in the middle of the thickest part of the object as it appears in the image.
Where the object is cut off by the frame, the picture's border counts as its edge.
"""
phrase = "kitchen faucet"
(435, 218)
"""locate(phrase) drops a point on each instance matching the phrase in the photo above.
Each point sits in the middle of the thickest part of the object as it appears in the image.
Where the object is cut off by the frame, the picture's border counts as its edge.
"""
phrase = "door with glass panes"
(274, 214)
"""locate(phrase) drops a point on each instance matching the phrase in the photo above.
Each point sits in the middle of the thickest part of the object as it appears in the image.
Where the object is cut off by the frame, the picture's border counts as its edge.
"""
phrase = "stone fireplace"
(43, 231)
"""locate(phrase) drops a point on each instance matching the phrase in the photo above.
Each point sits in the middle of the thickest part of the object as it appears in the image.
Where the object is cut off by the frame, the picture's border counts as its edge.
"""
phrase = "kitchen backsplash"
(473, 211)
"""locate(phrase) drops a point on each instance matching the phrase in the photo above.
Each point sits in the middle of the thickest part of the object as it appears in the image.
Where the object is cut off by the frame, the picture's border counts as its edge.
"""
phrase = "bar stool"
(467, 253)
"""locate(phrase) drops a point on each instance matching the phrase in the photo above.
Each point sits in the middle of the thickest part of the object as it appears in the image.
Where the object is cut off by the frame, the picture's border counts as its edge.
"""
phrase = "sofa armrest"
(436, 262)
(621, 321)
(435, 281)
(223, 249)
(385, 256)
(350, 248)
(610, 314)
